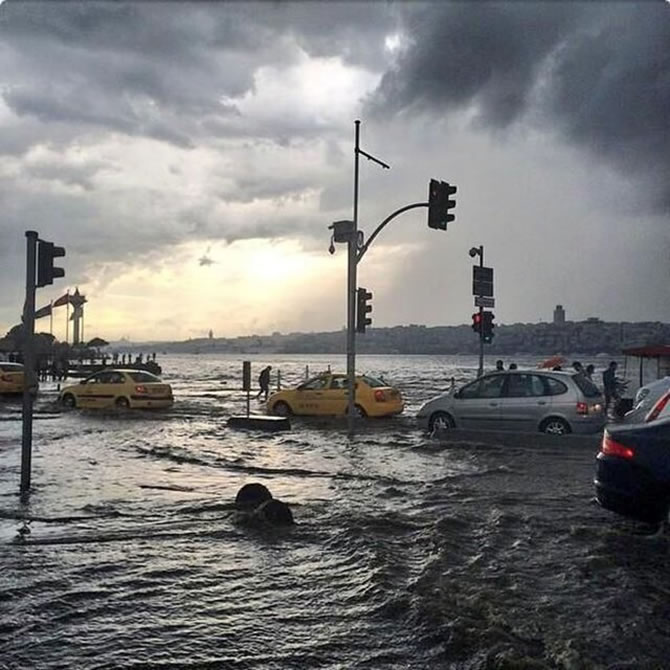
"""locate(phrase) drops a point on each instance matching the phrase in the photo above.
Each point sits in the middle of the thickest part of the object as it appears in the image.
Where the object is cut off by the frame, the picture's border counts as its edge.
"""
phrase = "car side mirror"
(83, 381)
(457, 394)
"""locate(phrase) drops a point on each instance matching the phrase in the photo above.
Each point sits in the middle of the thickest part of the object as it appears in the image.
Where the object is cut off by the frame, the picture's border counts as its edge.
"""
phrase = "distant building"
(211, 334)
(559, 315)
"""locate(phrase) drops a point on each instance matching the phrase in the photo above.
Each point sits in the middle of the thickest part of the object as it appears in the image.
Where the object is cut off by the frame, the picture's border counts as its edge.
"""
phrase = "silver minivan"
(521, 400)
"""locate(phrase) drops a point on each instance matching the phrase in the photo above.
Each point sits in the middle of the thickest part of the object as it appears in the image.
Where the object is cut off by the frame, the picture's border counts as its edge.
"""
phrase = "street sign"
(482, 301)
(482, 281)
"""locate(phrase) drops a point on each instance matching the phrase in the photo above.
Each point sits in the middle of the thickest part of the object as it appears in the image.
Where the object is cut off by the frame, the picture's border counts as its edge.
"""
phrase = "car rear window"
(373, 382)
(586, 386)
(143, 377)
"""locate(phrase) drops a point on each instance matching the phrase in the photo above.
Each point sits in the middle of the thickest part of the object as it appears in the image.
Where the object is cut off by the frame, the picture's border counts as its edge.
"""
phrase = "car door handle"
(493, 404)
(541, 402)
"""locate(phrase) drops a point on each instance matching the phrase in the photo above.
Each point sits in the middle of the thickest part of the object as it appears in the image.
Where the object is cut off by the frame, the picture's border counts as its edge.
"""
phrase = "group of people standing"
(611, 384)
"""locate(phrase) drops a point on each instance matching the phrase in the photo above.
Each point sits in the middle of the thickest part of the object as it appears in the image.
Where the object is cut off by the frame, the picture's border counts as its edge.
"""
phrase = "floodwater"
(407, 552)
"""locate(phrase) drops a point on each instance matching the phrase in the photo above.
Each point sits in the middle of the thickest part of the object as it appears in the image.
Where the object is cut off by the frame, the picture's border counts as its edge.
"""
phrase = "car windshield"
(143, 377)
(586, 386)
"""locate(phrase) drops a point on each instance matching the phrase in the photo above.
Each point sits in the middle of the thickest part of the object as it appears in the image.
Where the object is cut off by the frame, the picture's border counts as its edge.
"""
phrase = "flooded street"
(408, 552)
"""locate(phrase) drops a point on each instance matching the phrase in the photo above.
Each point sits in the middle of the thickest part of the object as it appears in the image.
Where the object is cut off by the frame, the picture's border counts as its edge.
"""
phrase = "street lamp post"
(353, 243)
(347, 231)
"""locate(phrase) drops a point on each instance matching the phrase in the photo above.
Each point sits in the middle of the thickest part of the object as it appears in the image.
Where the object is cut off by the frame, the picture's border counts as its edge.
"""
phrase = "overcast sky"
(190, 158)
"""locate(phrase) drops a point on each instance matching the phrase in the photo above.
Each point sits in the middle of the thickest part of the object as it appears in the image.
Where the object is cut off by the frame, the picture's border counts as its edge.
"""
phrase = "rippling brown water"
(407, 553)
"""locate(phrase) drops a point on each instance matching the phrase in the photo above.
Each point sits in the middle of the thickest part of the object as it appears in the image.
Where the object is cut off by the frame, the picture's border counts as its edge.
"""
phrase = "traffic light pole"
(28, 363)
(480, 370)
(353, 258)
(352, 246)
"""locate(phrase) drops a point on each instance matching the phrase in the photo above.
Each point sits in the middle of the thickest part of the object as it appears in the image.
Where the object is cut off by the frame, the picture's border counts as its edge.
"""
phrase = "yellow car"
(11, 377)
(326, 394)
(118, 388)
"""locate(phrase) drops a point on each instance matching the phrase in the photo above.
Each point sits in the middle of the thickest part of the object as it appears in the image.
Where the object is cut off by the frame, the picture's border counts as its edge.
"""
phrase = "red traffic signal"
(477, 322)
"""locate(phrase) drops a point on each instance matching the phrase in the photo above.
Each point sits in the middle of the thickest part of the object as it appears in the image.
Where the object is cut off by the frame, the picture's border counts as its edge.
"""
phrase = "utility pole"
(482, 289)
(40, 271)
(351, 295)
(439, 216)
(28, 363)
(480, 370)
(352, 248)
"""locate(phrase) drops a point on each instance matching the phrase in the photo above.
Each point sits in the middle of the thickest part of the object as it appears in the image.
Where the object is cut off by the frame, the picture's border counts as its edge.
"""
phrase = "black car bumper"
(630, 490)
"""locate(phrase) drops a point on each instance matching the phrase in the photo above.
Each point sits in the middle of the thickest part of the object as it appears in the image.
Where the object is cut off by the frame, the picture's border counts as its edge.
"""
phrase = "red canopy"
(552, 362)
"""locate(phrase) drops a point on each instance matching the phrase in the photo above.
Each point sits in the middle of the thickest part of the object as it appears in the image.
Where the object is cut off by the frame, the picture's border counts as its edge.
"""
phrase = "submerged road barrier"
(259, 422)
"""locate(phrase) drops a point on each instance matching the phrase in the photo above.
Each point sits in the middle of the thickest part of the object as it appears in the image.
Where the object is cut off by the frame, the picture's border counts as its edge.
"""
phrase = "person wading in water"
(264, 382)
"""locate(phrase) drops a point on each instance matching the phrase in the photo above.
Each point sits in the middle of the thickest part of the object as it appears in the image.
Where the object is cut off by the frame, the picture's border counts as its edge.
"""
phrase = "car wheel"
(122, 403)
(441, 421)
(281, 408)
(69, 401)
(555, 426)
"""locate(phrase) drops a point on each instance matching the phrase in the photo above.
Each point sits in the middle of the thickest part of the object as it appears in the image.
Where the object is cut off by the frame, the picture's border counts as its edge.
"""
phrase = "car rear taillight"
(380, 396)
(658, 407)
(582, 408)
(611, 447)
(141, 389)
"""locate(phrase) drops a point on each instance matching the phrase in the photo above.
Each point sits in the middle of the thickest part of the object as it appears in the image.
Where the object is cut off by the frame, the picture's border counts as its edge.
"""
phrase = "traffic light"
(46, 272)
(477, 322)
(488, 326)
(439, 204)
(363, 309)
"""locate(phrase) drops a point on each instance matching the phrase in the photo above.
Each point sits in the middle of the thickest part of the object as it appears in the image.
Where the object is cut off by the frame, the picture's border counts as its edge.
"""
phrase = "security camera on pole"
(439, 203)
(482, 289)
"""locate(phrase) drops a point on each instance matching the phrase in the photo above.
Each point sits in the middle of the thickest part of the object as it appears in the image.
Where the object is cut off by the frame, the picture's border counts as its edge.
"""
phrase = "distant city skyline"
(191, 156)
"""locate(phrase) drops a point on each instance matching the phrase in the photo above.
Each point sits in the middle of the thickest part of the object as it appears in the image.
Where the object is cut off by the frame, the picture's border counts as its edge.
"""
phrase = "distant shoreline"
(588, 338)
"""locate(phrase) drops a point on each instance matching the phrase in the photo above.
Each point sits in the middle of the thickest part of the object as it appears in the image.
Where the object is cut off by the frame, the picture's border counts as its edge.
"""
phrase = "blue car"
(633, 470)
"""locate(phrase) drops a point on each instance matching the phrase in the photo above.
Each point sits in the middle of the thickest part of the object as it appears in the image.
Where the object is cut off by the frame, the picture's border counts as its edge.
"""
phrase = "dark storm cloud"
(597, 72)
(118, 66)
(152, 69)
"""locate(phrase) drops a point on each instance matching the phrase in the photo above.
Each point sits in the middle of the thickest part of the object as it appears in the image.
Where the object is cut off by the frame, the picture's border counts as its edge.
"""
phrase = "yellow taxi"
(11, 377)
(326, 395)
(135, 389)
